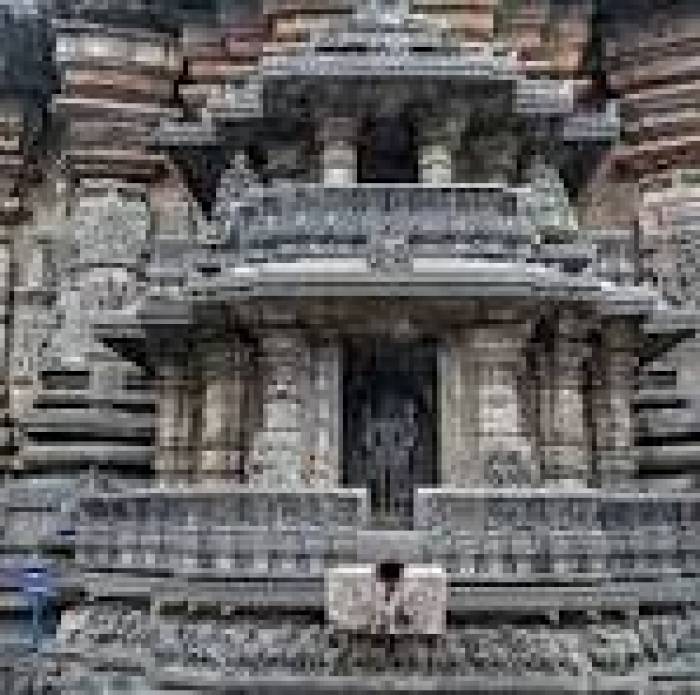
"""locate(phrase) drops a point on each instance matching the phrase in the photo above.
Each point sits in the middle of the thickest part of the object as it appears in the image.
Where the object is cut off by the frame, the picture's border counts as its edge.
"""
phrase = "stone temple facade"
(331, 330)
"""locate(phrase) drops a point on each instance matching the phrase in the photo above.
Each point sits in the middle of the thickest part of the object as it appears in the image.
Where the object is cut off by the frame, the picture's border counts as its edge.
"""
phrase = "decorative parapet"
(524, 532)
(230, 529)
(259, 508)
(490, 509)
(488, 533)
(389, 226)
(316, 220)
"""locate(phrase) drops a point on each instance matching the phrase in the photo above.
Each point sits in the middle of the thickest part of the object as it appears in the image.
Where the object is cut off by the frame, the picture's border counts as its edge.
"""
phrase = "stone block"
(358, 599)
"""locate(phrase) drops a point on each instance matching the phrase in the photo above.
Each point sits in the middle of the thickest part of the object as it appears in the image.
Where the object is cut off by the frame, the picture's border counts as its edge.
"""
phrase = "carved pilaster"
(222, 410)
(566, 445)
(338, 151)
(504, 442)
(174, 422)
(279, 456)
(615, 385)
(323, 458)
(458, 412)
(438, 142)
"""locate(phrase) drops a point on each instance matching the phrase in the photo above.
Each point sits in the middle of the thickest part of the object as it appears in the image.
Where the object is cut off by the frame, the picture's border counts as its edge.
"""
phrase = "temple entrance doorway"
(389, 427)
(387, 152)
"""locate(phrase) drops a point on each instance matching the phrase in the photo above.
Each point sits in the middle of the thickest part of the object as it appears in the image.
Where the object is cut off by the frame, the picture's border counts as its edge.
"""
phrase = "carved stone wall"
(37, 250)
(256, 646)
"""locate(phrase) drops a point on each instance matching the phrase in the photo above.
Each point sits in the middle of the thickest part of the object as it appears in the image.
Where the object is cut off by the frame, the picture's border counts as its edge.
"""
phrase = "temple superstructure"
(326, 353)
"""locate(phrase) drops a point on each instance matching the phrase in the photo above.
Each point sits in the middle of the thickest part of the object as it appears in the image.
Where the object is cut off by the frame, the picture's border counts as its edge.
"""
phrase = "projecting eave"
(665, 327)
(420, 277)
(168, 312)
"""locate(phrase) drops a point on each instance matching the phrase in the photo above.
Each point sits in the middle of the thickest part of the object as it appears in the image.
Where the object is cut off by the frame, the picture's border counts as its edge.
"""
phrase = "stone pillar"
(504, 442)
(566, 443)
(436, 150)
(338, 151)
(174, 433)
(166, 420)
(458, 412)
(614, 386)
(222, 404)
(213, 433)
(279, 452)
(325, 407)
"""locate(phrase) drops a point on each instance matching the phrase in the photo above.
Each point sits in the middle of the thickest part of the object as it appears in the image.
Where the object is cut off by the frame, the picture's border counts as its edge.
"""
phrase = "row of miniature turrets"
(118, 83)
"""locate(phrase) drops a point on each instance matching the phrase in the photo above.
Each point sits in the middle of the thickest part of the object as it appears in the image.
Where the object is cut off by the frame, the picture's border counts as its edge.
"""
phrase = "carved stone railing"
(271, 509)
(487, 533)
(244, 531)
(488, 509)
(287, 222)
(385, 225)
(522, 532)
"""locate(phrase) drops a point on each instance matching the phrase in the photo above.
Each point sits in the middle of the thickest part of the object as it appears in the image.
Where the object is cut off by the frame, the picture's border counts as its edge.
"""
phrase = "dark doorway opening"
(389, 424)
(387, 150)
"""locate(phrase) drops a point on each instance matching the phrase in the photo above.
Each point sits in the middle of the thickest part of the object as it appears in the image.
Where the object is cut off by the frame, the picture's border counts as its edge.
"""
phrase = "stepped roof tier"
(405, 239)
